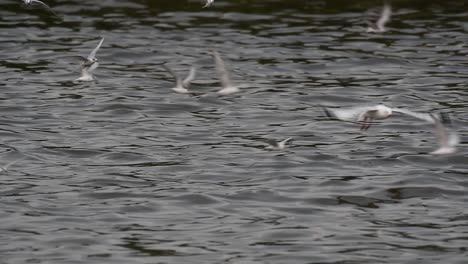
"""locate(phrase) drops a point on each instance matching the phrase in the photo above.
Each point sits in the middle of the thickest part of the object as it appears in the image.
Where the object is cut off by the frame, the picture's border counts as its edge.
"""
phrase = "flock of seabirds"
(365, 116)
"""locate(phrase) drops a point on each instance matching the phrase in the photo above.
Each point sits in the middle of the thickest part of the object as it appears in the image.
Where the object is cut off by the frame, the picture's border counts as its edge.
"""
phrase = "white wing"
(190, 77)
(385, 16)
(285, 141)
(44, 5)
(348, 114)
(446, 137)
(423, 116)
(177, 79)
(93, 53)
(441, 132)
(282, 144)
(208, 3)
(221, 69)
(93, 67)
(453, 139)
(41, 3)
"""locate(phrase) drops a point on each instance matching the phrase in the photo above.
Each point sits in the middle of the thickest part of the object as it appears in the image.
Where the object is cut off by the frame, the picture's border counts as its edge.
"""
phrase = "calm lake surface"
(124, 170)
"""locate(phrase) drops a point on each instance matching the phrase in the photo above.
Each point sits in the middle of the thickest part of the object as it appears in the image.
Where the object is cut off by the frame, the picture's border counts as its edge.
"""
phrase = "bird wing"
(423, 116)
(441, 132)
(348, 114)
(186, 82)
(177, 79)
(385, 16)
(40, 2)
(452, 138)
(221, 69)
(45, 6)
(284, 142)
(208, 3)
(91, 67)
(93, 53)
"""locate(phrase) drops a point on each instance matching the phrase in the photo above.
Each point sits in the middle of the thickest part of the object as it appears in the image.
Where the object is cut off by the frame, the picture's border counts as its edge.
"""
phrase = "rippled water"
(126, 171)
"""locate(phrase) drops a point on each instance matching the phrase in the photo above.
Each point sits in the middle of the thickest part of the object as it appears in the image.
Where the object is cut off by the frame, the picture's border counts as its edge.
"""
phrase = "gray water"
(124, 170)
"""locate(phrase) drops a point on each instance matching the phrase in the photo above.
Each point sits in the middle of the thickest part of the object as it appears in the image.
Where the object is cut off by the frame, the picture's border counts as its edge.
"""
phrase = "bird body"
(89, 64)
(366, 114)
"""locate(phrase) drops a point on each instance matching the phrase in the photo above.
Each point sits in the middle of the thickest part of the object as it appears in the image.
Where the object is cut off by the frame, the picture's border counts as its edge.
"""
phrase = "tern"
(379, 27)
(447, 138)
(89, 64)
(182, 85)
(226, 83)
(208, 3)
(275, 145)
(366, 114)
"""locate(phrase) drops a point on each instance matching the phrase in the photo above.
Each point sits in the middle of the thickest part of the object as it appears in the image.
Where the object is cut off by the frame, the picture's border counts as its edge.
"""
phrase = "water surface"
(126, 171)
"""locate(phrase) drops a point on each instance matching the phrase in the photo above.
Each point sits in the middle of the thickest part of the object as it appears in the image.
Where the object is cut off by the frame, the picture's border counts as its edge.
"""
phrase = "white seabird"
(364, 115)
(89, 64)
(182, 85)
(277, 145)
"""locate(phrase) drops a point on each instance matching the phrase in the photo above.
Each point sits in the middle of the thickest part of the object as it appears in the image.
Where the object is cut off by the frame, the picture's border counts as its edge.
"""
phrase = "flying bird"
(277, 145)
(226, 83)
(447, 138)
(89, 64)
(365, 115)
(182, 85)
(379, 27)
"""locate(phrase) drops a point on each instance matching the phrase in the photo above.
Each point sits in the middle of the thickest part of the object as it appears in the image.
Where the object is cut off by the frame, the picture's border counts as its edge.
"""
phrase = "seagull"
(366, 114)
(208, 3)
(5, 168)
(89, 64)
(44, 5)
(275, 145)
(228, 87)
(379, 27)
(446, 136)
(182, 85)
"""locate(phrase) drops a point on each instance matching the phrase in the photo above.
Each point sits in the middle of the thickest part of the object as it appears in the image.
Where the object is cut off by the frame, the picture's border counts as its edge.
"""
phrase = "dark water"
(126, 171)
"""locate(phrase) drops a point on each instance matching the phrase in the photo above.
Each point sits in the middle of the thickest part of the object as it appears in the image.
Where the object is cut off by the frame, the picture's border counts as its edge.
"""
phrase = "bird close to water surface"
(365, 115)
(89, 64)
(182, 85)
(277, 145)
